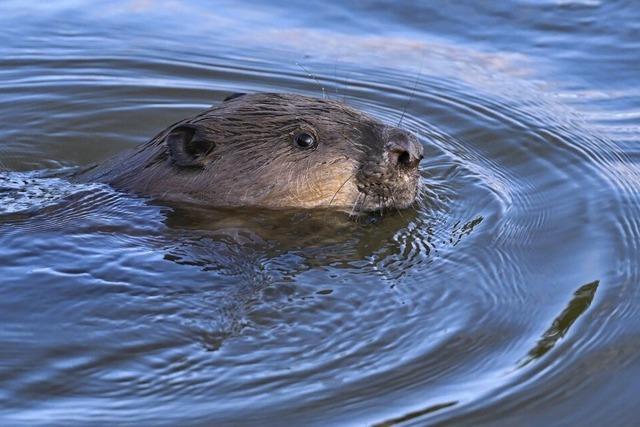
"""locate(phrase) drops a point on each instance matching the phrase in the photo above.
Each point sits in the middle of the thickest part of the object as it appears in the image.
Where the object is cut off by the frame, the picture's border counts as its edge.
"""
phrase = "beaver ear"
(233, 96)
(188, 147)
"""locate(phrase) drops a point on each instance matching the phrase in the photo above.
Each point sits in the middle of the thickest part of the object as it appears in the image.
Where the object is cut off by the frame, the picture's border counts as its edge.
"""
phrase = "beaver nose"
(404, 152)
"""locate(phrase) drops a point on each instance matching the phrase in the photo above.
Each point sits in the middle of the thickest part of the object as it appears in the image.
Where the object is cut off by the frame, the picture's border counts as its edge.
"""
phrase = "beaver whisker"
(355, 207)
(340, 188)
(420, 195)
(413, 92)
(358, 201)
(356, 144)
(395, 205)
(324, 95)
(381, 206)
(335, 77)
(364, 201)
(345, 86)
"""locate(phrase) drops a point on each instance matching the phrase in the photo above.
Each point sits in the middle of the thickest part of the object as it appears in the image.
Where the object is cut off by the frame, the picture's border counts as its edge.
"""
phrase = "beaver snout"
(391, 178)
(404, 152)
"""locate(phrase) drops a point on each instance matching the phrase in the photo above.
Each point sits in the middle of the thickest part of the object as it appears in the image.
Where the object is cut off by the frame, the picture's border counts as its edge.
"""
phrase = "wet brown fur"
(255, 163)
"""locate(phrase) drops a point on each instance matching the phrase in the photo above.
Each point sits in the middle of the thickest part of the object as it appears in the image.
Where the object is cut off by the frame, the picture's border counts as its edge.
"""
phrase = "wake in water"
(25, 192)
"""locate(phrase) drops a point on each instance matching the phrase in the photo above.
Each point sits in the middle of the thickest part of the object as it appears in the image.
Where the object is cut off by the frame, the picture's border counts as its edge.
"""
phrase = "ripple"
(508, 288)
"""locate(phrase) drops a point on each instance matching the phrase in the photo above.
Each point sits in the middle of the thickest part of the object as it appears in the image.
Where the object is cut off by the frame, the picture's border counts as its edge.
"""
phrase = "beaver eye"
(305, 140)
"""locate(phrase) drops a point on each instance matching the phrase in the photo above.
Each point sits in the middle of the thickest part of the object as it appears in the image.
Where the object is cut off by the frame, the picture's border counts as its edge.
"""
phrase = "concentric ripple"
(506, 293)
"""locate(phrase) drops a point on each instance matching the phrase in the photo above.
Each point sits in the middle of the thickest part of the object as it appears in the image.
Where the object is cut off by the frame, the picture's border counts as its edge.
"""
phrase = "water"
(509, 296)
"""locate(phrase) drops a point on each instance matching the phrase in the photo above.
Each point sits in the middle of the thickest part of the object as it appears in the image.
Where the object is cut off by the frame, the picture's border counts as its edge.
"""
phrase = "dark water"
(509, 296)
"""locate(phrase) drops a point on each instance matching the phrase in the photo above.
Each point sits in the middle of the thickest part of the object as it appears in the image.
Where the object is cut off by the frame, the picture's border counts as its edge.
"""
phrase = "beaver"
(273, 150)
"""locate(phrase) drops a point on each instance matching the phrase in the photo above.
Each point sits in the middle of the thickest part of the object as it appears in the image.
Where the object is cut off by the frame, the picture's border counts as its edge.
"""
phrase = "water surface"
(507, 296)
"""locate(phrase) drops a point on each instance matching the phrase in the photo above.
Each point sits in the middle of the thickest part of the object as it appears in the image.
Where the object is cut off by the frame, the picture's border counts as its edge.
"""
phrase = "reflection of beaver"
(274, 151)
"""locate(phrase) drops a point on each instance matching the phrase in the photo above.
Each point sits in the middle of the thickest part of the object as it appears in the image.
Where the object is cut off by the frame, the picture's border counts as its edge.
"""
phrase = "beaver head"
(275, 151)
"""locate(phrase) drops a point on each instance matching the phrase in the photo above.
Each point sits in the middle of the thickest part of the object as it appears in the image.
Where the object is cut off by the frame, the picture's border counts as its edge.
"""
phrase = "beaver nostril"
(404, 152)
(404, 158)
